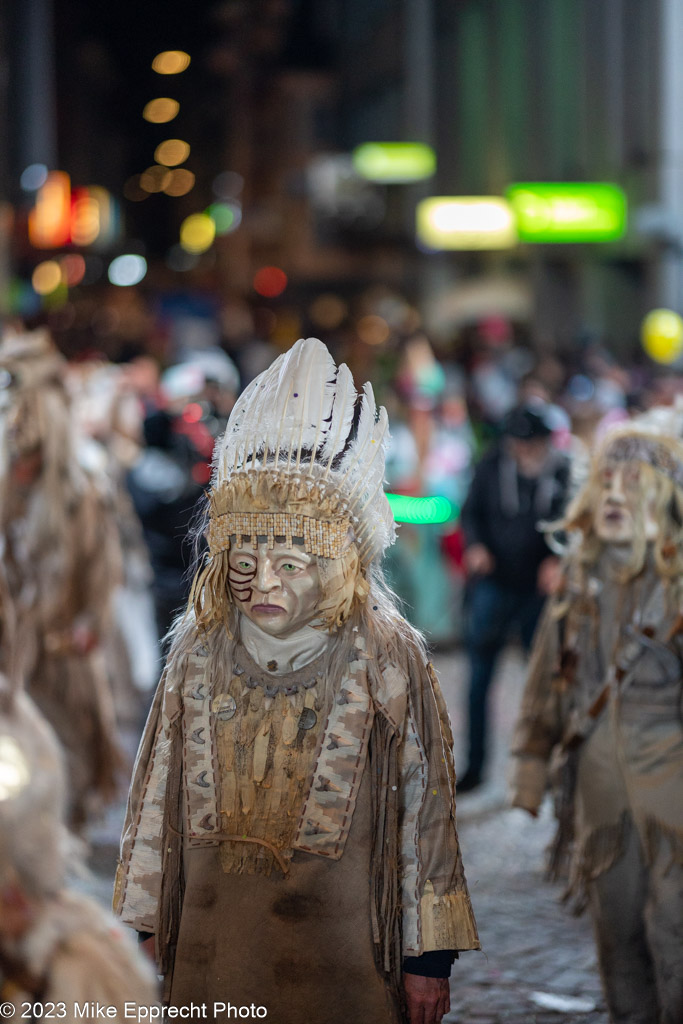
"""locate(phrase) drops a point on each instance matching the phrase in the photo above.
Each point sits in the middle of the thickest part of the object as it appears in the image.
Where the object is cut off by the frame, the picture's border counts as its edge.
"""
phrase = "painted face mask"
(622, 500)
(277, 588)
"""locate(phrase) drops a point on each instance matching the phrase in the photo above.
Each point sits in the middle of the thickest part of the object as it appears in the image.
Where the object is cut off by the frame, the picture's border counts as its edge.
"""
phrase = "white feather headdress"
(303, 448)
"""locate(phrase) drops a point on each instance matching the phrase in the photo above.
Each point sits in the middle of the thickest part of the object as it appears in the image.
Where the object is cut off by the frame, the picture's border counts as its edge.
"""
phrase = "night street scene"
(341, 511)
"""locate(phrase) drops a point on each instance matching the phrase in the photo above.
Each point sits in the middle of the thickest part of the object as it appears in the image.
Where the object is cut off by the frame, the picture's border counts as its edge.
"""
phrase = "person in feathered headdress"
(601, 717)
(290, 838)
(57, 947)
(61, 557)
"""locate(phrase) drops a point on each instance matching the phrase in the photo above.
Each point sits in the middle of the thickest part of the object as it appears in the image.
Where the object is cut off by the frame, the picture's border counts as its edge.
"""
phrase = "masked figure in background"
(61, 558)
(291, 836)
(603, 703)
(55, 945)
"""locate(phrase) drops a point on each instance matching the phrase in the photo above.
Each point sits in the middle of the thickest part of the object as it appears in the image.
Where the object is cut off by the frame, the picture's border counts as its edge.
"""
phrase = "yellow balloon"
(662, 335)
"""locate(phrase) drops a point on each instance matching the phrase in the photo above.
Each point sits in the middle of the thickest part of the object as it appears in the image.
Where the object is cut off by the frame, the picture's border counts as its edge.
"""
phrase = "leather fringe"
(172, 875)
(384, 861)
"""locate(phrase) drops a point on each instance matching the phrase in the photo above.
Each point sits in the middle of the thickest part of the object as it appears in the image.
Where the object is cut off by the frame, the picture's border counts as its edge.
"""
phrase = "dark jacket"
(502, 511)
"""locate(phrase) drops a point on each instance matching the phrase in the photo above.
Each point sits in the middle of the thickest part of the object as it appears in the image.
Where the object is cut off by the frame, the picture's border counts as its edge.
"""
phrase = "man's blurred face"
(277, 588)
(529, 454)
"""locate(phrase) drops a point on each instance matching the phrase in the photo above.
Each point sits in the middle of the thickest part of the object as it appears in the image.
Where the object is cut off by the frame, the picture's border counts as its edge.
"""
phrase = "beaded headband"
(320, 537)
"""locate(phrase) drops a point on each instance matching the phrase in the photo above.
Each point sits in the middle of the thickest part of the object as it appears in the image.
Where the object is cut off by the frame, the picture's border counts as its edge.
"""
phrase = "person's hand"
(478, 560)
(549, 576)
(427, 999)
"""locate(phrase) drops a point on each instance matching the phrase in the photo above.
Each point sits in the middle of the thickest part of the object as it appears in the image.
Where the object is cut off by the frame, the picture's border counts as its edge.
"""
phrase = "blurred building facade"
(280, 91)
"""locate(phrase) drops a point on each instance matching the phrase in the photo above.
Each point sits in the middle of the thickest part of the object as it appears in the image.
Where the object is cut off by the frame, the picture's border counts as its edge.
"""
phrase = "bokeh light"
(394, 162)
(127, 270)
(328, 311)
(133, 190)
(172, 152)
(421, 510)
(85, 218)
(226, 216)
(662, 335)
(197, 233)
(46, 277)
(228, 185)
(73, 269)
(161, 110)
(465, 222)
(33, 177)
(155, 178)
(180, 182)
(171, 62)
(270, 282)
(373, 330)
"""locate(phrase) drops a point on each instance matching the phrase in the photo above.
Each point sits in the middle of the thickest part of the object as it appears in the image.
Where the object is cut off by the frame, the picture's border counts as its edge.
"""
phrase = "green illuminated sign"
(394, 162)
(568, 212)
(421, 510)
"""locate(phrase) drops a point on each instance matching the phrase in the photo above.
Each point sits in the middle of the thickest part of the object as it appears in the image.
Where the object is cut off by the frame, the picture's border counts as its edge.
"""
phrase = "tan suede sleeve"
(437, 912)
(539, 724)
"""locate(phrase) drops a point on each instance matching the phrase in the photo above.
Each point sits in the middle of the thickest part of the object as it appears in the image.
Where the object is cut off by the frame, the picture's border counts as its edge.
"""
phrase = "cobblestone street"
(535, 954)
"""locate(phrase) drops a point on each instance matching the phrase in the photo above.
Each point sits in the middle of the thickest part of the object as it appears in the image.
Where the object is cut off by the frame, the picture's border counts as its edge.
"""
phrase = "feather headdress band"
(303, 455)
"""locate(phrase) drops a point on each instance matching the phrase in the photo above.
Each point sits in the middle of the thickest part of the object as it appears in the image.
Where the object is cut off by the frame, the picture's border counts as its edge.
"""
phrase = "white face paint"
(622, 499)
(277, 588)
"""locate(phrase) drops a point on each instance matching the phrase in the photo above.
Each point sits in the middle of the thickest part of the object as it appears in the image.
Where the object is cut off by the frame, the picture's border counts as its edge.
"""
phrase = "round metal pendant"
(227, 706)
(307, 718)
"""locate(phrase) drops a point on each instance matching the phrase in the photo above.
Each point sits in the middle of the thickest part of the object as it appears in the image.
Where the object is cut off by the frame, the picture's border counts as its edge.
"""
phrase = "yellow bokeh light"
(171, 62)
(373, 330)
(155, 178)
(181, 182)
(662, 335)
(172, 152)
(46, 277)
(161, 110)
(197, 233)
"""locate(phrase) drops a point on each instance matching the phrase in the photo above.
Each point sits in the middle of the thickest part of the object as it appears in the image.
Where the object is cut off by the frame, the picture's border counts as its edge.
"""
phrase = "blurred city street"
(277, 276)
(531, 944)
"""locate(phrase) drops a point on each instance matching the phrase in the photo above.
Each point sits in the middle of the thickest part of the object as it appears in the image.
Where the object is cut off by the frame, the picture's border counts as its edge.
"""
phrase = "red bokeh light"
(270, 281)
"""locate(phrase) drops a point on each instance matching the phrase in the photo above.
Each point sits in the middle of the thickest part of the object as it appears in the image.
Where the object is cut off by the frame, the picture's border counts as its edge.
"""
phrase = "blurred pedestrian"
(510, 566)
(601, 716)
(62, 560)
(174, 467)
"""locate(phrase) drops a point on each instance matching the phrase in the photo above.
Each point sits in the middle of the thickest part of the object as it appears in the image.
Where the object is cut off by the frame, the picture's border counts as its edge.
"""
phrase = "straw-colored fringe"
(265, 762)
(210, 596)
(447, 921)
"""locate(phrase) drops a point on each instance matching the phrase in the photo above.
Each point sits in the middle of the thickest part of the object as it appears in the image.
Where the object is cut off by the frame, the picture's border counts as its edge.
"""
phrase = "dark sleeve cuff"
(436, 963)
(143, 936)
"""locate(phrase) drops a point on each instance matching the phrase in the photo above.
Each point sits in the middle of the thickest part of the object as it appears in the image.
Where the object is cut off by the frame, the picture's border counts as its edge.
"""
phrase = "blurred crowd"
(106, 452)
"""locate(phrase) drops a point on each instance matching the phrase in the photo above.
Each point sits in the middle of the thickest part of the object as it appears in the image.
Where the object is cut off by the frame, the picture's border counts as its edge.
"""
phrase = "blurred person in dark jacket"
(169, 478)
(511, 569)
